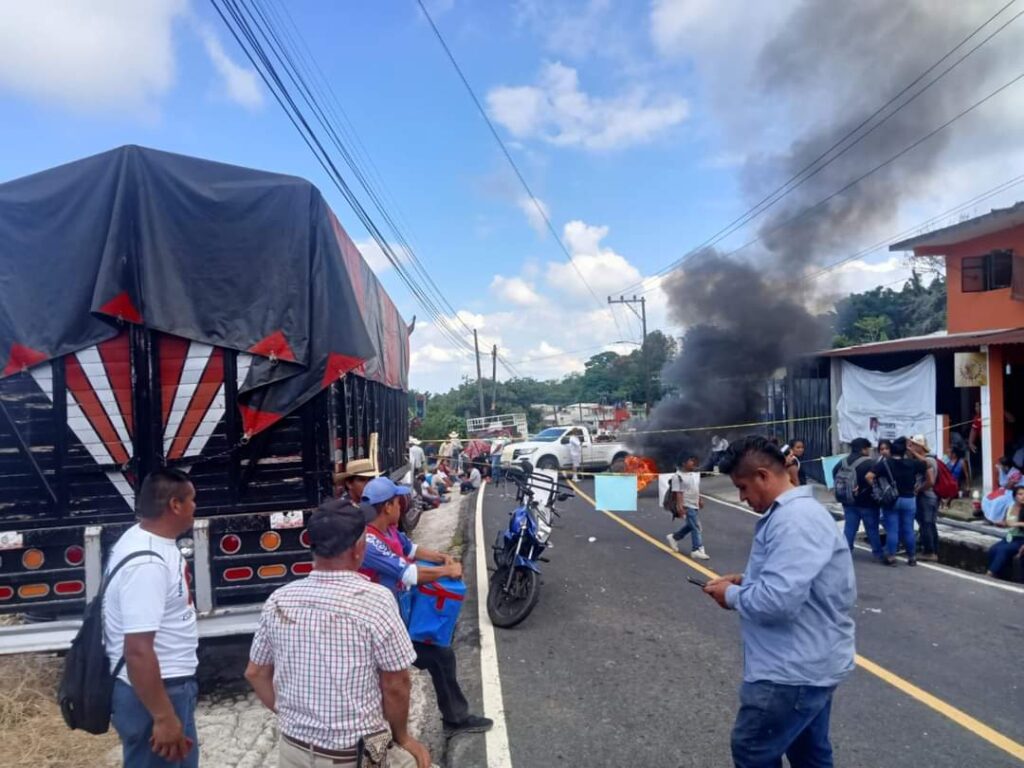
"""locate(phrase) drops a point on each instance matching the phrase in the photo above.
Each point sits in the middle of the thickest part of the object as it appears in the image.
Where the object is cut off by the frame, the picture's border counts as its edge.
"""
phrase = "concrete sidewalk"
(962, 544)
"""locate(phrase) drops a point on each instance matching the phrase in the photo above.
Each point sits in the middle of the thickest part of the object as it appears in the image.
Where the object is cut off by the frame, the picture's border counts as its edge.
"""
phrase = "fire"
(645, 469)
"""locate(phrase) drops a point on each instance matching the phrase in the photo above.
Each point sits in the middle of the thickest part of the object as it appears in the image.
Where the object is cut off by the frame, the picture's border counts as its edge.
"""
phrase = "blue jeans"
(776, 720)
(927, 512)
(899, 526)
(692, 526)
(1001, 553)
(134, 724)
(496, 469)
(869, 515)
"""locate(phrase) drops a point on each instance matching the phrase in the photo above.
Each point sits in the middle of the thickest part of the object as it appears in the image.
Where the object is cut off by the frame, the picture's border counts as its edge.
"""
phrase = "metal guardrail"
(57, 635)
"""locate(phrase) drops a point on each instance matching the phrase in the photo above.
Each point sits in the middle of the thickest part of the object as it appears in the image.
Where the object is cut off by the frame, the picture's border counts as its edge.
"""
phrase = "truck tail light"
(33, 559)
(272, 571)
(74, 555)
(240, 573)
(69, 588)
(270, 540)
(230, 544)
(301, 569)
(33, 590)
(6, 593)
(304, 538)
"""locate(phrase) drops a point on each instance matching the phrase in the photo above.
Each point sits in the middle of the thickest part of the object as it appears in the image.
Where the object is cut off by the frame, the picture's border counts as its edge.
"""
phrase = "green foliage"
(608, 377)
(882, 313)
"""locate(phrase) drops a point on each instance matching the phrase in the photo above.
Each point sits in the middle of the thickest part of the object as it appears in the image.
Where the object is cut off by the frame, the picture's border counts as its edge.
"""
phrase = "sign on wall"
(970, 369)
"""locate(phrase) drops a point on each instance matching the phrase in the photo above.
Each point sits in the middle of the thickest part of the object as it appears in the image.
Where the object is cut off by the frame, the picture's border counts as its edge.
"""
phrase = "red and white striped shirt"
(328, 638)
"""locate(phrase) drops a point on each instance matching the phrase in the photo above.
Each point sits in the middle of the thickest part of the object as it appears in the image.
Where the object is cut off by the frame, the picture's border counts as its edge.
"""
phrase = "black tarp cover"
(229, 256)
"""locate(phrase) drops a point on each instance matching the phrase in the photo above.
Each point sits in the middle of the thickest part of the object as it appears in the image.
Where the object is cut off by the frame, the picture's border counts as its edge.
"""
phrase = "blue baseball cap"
(382, 489)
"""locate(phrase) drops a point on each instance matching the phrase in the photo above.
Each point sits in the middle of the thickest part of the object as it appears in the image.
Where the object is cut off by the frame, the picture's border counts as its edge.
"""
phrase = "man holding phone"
(794, 602)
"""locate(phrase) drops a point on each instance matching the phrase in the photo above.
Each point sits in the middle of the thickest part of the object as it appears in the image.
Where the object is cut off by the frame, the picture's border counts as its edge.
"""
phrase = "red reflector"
(69, 587)
(74, 555)
(304, 539)
(241, 573)
(6, 593)
(301, 569)
(230, 544)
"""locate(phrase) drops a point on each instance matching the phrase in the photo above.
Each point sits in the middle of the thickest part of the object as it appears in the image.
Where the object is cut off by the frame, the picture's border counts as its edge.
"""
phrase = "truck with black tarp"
(162, 310)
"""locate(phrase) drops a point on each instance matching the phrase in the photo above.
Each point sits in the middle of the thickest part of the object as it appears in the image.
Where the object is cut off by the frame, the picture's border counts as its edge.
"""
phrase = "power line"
(508, 156)
(809, 170)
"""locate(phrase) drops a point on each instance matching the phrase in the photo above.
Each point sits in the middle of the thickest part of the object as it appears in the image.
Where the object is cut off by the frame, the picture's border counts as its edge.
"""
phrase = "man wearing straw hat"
(354, 477)
(927, 499)
(417, 458)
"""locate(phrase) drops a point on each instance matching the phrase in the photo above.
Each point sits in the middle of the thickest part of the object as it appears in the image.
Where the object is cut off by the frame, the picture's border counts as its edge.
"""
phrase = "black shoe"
(890, 561)
(472, 724)
(911, 561)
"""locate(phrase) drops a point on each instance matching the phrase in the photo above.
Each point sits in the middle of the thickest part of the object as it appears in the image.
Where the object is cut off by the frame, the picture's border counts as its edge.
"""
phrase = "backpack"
(884, 491)
(846, 480)
(946, 486)
(86, 684)
(668, 502)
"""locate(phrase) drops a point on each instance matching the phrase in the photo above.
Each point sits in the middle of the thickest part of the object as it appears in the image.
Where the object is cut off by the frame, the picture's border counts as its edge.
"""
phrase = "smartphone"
(698, 582)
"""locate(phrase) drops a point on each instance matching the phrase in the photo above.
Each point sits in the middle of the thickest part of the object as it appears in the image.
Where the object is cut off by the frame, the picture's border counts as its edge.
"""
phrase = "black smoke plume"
(828, 68)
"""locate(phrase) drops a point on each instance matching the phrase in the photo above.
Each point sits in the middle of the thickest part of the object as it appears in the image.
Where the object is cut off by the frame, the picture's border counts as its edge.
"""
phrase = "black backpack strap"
(106, 583)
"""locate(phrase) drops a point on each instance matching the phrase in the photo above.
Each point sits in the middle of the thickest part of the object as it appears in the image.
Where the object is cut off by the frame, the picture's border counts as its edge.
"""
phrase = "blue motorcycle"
(514, 588)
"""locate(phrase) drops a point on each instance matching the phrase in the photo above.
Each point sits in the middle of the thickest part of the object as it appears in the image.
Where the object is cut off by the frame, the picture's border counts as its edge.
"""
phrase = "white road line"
(985, 582)
(498, 755)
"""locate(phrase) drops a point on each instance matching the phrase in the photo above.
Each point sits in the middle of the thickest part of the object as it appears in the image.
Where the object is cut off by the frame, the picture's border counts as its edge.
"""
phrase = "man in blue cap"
(390, 560)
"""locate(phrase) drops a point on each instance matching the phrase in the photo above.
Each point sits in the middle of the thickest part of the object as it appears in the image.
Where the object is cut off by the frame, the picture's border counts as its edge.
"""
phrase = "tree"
(882, 313)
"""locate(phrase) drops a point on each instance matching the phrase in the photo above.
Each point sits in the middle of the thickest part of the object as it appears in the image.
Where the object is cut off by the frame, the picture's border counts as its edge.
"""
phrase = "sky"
(638, 125)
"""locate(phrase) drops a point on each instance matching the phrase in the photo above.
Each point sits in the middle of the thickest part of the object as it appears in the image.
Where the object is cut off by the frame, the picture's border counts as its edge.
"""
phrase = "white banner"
(893, 404)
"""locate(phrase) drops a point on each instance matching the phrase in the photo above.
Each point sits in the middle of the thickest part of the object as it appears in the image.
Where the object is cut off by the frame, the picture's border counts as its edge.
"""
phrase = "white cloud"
(241, 84)
(536, 213)
(558, 112)
(78, 54)
(514, 290)
(604, 270)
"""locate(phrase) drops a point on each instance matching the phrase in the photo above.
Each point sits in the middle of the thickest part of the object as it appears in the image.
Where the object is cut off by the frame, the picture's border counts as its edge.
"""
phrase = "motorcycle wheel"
(506, 609)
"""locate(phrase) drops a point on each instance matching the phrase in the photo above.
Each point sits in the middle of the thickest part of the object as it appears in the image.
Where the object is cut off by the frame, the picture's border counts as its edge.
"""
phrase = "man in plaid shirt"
(331, 656)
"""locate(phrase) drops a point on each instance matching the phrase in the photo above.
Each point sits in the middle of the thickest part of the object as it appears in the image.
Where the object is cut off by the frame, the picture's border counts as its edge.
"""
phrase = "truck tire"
(547, 462)
(619, 462)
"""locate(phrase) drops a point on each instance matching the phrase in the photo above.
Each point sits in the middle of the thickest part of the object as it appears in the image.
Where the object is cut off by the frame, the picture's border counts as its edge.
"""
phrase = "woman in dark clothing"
(899, 520)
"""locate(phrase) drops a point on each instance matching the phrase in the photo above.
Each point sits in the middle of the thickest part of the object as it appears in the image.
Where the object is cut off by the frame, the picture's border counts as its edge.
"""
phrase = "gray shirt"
(932, 463)
(797, 594)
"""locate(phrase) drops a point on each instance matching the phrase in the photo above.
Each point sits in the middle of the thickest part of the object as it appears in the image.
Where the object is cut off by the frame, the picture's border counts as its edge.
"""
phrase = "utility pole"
(642, 315)
(494, 378)
(479, 376)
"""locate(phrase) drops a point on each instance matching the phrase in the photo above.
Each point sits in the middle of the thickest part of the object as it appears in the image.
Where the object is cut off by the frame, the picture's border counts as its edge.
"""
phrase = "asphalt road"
(623, 662)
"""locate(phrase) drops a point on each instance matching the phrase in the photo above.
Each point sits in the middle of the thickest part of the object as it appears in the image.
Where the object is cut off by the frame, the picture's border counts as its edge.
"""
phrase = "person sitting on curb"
(391, 560)
(471, 480)
(331, 656)
(1000, 553)
(685, 487)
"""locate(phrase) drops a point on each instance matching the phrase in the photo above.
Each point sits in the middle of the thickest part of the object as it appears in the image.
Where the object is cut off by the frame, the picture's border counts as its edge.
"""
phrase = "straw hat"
(920, 440)
(414, 441)
(453, 435)
(358, 468)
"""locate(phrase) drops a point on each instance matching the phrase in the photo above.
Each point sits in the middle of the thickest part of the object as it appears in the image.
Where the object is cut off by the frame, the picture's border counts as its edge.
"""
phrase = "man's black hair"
(756, 450)
(159, 487)
(686, 456)
(336, 526)
(885, 441)
(858, 444)
(796, 440)
(1004, 461)
(899, 447)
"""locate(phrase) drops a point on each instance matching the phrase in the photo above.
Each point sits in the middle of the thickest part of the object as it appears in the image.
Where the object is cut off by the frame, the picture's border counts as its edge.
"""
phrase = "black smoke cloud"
(827, 69)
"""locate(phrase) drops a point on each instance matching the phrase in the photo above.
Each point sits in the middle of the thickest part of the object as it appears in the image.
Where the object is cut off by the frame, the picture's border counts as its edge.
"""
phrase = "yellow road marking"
(958, 716)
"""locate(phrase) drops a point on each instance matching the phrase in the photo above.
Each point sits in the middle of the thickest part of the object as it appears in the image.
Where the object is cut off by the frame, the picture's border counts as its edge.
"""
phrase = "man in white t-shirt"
(149, 622)
(685, 486)
(417, 458)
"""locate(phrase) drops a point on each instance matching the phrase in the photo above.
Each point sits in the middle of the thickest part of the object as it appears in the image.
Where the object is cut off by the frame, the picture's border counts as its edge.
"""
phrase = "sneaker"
(672, 542)
(890, 561)
(472, 724)
(911, 561)
(700, 554)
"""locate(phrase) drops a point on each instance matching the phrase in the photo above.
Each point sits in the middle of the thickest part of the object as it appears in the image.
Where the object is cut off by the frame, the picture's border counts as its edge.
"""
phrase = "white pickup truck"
(549, 449)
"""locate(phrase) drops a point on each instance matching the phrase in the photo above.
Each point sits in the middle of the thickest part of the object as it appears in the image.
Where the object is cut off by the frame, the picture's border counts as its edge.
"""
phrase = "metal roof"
(940, 340)
(994, 221)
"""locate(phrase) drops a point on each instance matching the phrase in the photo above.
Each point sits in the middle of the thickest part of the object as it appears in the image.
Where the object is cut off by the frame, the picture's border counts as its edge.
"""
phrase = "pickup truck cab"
(549, 449)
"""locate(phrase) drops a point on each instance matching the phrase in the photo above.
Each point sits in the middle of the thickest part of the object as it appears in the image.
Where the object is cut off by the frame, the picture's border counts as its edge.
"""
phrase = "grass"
(34, 734)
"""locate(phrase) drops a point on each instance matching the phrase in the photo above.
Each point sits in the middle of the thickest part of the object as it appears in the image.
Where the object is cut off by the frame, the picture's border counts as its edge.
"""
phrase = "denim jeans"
(899, 526)
(134, 724)
(927, 512)
(853, 518)
(1001, 553)
(496, 469)
(776, 720)
(692, 526)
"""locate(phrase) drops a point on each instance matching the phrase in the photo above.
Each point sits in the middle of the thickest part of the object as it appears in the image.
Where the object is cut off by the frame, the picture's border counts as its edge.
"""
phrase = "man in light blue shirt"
(794, 602)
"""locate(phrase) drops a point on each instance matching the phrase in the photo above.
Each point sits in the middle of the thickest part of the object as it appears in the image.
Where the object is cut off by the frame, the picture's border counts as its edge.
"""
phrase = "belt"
(179, 680)
(342, 754)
